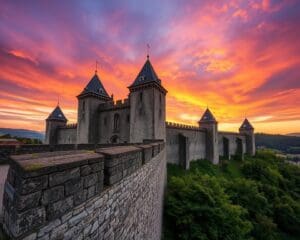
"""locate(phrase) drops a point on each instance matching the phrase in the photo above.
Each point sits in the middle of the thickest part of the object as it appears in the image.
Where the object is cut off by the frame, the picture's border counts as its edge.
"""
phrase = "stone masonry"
(110, 193)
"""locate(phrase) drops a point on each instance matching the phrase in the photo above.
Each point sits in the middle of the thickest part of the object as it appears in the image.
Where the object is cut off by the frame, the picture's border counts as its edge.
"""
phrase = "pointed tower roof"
(246, 125)
(57, 114)
(208, 117)
(146, 75)
(95, 87)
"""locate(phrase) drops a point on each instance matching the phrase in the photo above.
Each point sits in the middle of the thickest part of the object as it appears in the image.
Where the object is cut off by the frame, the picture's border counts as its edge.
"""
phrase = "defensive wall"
(185, 143)
(113, 192)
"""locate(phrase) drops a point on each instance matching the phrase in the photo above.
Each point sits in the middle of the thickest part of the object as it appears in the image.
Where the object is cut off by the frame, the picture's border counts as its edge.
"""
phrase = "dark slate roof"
(246, 125)
(57, 114)
(146, 75)
(95, 86)
(207, 116)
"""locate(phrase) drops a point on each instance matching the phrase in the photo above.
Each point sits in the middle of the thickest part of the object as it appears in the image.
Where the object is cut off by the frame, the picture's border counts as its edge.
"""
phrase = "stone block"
(23, 222)
(80, 197)
(29, 185)
(74, 185)
(58, 208)
(52, 195)
(63, 176)
(91, 191)
(90, 180)
(24, 202)
(85, 170)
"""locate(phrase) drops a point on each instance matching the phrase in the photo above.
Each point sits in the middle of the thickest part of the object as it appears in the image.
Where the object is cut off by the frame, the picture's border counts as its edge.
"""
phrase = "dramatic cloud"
(240, 58)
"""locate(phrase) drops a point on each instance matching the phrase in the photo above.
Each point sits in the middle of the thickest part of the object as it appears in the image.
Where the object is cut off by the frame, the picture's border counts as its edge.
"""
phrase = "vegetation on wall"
(258, 198)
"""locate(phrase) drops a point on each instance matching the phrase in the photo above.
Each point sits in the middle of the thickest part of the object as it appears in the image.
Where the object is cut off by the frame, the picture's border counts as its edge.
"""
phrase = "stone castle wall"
(110, 193)
(195, 146)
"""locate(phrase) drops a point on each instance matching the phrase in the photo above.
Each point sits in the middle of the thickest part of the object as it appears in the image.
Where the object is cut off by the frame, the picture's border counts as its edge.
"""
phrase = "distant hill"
(22, 133)
(294, 134)
(284, 143)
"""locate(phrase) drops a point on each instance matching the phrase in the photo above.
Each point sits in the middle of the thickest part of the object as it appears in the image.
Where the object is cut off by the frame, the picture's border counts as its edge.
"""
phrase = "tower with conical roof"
(247, 129)
(209, 123)
(55, 119)
(88, 102)
(147, 105)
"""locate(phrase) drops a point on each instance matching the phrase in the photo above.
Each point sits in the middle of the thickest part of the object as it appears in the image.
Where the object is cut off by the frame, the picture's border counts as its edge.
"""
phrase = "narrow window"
(105, 121)
(83, 105)
(128, 118)
(116, 122)
(141, 96)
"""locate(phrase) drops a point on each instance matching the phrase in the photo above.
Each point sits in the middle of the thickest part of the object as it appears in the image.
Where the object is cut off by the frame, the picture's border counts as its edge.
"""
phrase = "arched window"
(116, 122)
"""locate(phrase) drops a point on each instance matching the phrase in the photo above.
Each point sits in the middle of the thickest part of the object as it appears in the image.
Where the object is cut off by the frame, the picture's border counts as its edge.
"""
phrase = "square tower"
(147, 106)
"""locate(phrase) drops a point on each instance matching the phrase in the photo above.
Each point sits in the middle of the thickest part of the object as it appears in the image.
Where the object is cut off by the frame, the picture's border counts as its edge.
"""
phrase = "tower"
(88, 102)
(247, 129)
(54, 120)
(209, 123)
(147, 106)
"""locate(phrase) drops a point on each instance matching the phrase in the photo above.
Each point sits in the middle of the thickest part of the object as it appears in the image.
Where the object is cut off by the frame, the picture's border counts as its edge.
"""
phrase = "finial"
(148, 49)
(58, 100)
(96, 67)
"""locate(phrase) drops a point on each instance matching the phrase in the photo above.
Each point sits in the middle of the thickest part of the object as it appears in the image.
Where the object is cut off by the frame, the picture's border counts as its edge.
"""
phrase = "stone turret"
(56, 119)
(248, 130)
(209, 123)
(147, 106)
(88, 103)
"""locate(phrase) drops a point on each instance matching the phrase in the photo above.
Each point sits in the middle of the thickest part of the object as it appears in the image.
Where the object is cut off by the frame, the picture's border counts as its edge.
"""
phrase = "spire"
(246, 125)
(146, 75)
(207, 117)
(95, 87)
(58, 115)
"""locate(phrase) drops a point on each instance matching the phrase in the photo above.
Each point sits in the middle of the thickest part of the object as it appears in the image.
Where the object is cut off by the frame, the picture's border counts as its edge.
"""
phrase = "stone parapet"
(43, 189)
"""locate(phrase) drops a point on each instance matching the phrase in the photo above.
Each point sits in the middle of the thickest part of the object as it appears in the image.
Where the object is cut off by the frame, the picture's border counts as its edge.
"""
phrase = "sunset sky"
(240, 58)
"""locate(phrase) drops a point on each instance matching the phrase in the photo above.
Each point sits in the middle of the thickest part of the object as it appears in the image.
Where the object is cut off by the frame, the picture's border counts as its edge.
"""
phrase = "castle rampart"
(110, 193)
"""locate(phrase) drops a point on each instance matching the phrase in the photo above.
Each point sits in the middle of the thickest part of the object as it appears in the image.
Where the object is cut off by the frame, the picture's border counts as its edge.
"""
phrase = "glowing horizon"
(239, 58)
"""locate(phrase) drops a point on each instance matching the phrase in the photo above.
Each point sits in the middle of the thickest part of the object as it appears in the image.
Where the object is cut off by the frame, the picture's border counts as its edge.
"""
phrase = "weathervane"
(96, 66)
(148, 49)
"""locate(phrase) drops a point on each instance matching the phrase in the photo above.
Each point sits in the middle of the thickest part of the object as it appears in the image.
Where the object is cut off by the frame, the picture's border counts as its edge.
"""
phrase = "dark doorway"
(183, 151)
(114, 139)
(239, 147)
(225, 148)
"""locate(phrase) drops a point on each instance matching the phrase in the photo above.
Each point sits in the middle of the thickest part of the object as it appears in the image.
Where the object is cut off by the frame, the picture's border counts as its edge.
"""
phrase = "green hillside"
(258, 198)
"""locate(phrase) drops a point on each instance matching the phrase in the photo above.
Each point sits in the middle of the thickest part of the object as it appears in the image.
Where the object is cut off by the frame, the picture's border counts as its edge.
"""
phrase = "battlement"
(113, 105)
(56, 193)
(68, 126)
(183, 126)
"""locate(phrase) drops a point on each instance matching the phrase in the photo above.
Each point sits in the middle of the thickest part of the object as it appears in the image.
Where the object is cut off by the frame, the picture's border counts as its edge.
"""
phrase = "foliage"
(284, 143)
(257, 198)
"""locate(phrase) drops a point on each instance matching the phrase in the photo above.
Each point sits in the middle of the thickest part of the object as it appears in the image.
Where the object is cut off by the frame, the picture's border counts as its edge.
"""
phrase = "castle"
(142, 116)
(104, 177)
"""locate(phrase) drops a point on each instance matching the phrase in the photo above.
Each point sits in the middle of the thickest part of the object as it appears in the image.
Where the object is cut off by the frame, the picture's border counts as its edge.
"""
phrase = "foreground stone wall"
(113, 193)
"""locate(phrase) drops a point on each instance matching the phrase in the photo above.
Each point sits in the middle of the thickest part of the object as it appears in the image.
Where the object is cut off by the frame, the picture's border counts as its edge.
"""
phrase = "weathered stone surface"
(80, 197)
(73, 186)
(62, 177)
(31, 200)
(58, 208)
(90, 180)
(86, 170)
(77, 218)
(53, 194)
(34, 184)
(130, 208)
(29, 219)
(49, 227)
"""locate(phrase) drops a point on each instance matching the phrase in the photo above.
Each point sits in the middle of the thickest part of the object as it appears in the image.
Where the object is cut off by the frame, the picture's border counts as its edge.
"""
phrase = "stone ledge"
(33, 165)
